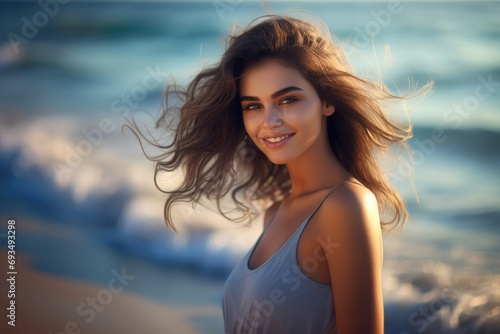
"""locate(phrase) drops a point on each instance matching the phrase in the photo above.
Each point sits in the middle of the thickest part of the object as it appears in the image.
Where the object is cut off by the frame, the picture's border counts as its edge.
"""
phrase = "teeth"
(277, 139)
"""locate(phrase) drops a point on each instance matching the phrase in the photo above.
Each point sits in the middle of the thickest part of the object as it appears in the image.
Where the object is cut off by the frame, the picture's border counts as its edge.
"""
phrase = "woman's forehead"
(269, 76)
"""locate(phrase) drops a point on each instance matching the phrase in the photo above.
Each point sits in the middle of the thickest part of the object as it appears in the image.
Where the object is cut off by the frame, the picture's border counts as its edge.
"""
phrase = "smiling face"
(282, 113)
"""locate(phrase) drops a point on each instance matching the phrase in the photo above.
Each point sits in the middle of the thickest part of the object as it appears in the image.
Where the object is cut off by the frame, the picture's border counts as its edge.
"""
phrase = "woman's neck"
(316, 169)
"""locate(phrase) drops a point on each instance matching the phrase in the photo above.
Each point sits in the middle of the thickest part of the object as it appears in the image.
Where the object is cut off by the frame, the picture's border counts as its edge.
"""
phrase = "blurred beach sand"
(58, 302)
(47, 304)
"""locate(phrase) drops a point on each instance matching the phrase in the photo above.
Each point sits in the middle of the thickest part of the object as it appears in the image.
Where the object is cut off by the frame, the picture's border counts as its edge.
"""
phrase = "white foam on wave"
(426, 267)
(107, 181)
(204, 240)
(433, 284)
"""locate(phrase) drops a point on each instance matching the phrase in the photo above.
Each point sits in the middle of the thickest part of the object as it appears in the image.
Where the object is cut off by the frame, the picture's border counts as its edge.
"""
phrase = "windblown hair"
(210, 143)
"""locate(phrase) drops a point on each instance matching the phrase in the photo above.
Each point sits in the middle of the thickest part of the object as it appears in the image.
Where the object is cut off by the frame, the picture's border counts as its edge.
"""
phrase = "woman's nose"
(273, 117)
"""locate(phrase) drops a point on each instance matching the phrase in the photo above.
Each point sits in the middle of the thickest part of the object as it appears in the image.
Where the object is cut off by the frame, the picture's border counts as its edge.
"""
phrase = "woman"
(285, 93)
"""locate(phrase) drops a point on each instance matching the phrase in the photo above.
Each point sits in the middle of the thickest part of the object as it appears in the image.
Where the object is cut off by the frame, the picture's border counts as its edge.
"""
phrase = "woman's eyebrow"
(274, 95)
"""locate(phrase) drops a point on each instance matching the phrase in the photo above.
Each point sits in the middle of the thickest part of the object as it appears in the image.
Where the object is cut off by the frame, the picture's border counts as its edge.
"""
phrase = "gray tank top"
(277, 297)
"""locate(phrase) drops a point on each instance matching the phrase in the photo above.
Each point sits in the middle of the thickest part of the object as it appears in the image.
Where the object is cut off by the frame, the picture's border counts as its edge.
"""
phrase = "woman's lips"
(277, 140)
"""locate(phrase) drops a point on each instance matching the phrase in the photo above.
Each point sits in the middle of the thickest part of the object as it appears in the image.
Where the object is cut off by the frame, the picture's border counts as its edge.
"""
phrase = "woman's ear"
(328, 109)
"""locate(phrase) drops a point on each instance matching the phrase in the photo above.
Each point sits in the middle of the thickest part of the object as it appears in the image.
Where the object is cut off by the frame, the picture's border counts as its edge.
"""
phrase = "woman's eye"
(288, 100)
(251, 107)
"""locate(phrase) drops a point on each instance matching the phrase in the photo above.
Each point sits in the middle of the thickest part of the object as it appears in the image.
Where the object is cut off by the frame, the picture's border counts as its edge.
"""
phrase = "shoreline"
(51, 304)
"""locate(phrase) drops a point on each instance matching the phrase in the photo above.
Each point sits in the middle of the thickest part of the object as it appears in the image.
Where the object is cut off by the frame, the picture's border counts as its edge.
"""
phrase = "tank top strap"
(324, 198)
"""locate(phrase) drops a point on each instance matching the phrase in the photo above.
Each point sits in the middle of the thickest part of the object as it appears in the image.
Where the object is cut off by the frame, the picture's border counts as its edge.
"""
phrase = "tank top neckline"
(299, 228)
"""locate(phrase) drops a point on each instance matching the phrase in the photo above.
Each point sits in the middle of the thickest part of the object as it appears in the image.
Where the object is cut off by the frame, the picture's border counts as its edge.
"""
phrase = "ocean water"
(65, 85)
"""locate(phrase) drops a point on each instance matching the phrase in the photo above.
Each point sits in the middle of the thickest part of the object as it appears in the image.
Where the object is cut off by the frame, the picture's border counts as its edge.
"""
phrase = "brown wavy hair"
(210, 144)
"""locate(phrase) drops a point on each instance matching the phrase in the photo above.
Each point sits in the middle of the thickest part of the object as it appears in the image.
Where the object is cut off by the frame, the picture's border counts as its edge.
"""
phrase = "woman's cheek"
(252, 120)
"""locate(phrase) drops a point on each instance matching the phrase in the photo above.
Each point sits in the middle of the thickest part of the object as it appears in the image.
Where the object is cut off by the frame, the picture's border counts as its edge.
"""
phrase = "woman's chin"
(278, 160)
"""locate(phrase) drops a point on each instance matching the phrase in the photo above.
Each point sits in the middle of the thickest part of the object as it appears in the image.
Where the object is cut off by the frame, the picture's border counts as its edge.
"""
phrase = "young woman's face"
(282, 112)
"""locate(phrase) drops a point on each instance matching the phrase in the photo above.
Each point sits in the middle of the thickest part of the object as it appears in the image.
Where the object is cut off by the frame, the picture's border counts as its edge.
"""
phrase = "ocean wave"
(91, 20)
(478, 142)
(435, 281)
(420, 302)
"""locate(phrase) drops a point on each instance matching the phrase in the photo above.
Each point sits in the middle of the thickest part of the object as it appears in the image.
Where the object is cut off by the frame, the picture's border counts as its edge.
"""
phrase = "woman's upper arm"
(349, 217)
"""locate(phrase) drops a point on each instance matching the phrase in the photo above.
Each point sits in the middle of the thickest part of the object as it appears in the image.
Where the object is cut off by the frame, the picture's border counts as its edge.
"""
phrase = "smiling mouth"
(277, 139)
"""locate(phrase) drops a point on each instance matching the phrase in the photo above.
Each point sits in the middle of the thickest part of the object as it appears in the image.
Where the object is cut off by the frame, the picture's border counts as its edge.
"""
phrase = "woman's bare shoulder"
(350, 212)
(349, 220)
